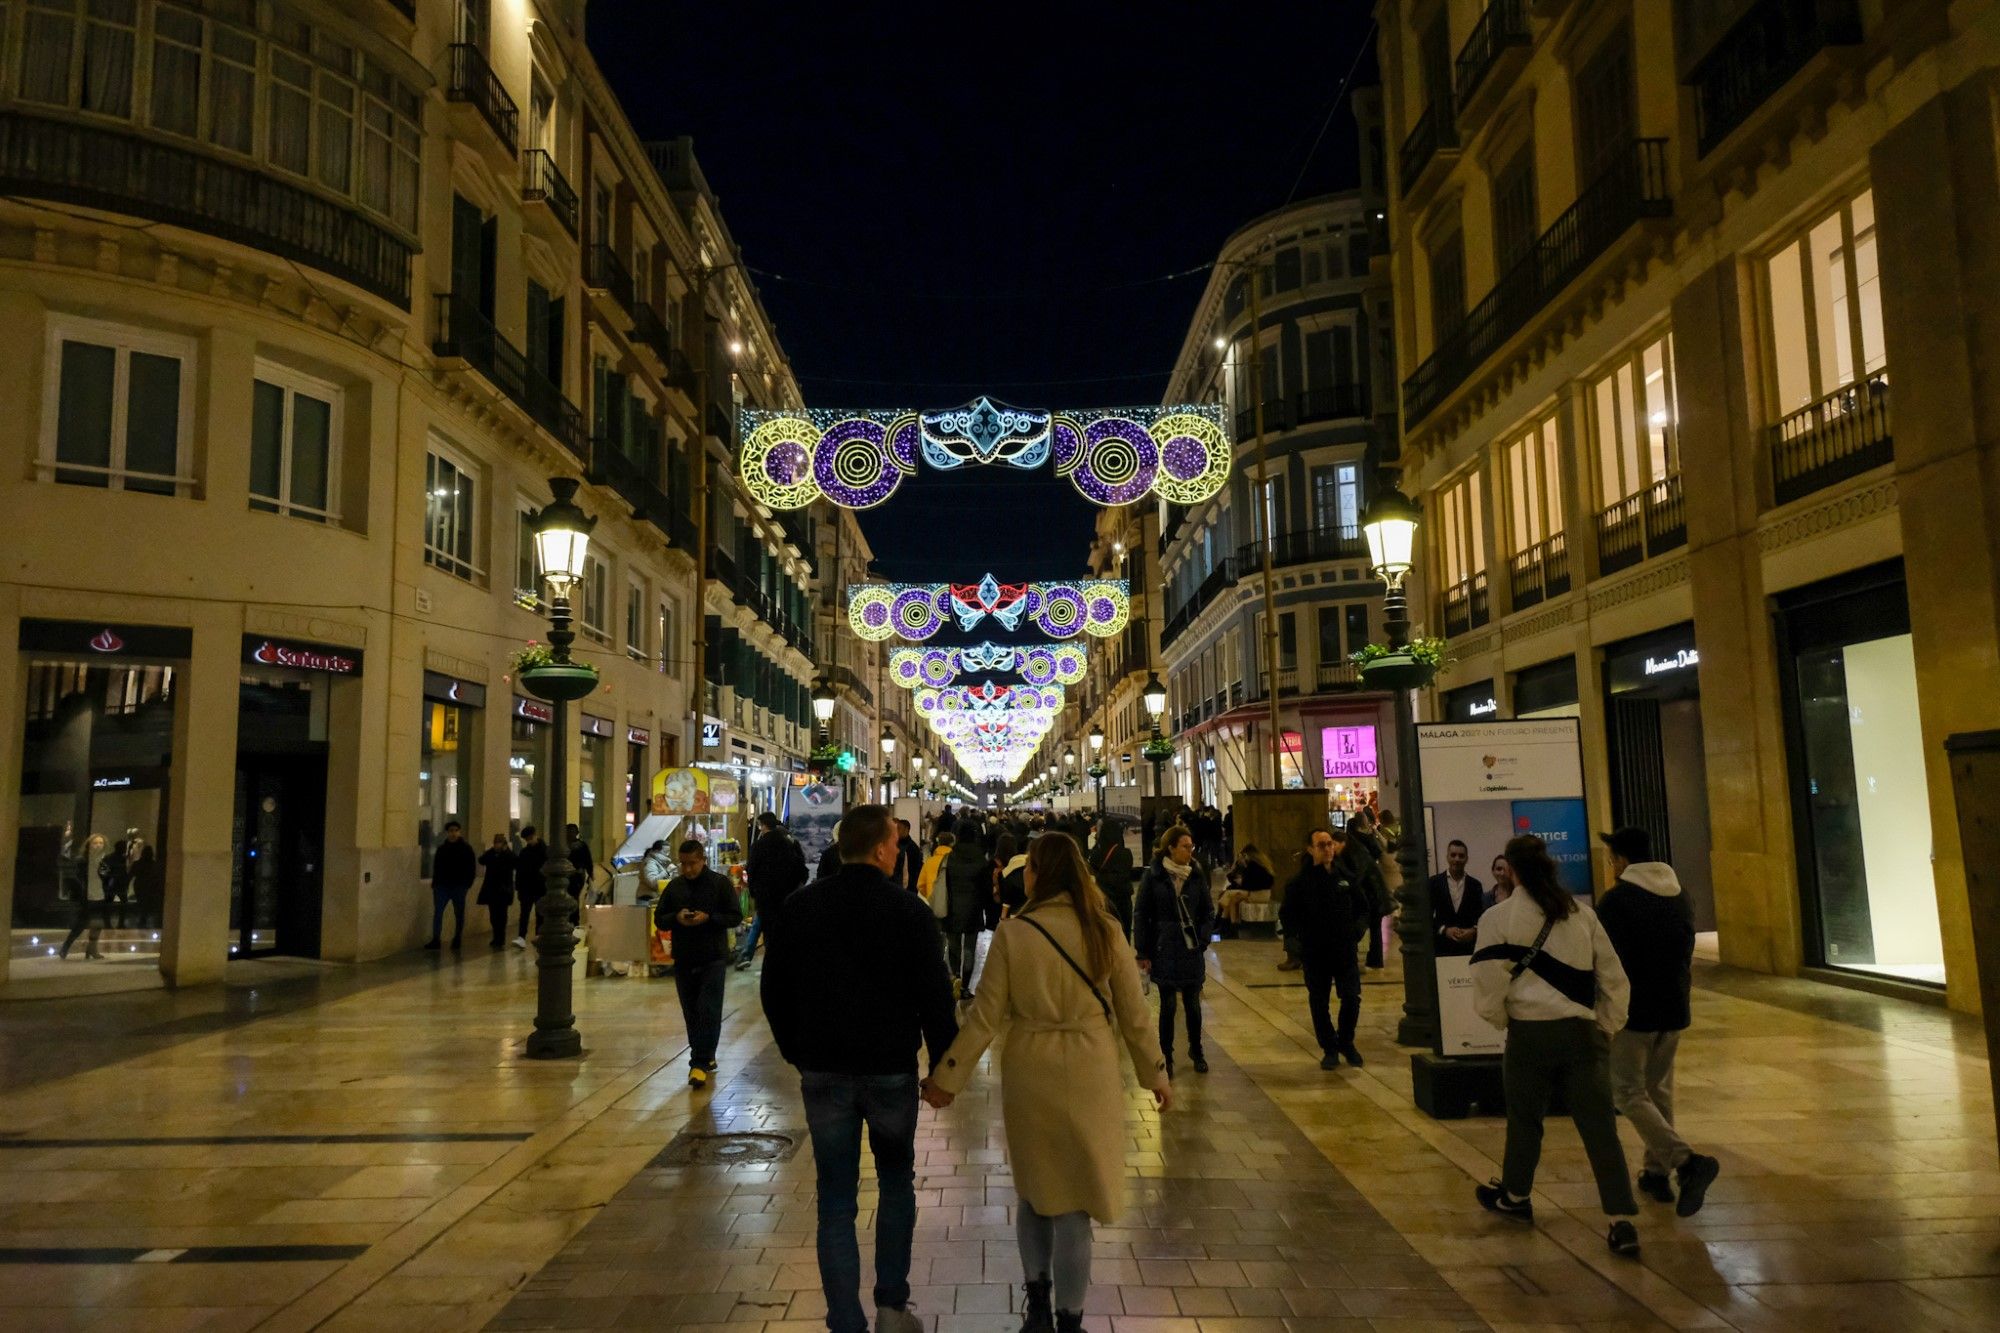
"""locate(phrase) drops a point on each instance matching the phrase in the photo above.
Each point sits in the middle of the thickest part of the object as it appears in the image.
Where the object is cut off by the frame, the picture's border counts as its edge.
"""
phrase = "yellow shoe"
(697, 1078)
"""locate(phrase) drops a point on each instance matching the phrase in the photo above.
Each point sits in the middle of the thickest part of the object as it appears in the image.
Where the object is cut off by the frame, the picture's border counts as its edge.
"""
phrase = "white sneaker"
(891, 1320)
(520, 942)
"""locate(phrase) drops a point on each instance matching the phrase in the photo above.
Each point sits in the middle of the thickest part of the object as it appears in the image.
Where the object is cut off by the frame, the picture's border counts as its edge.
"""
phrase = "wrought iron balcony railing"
(1437, 128)
(1842, 435)
(1641, 526)
(1540, 572)
(464, 331)
(542, 182)
(1502, 26)
(1759, 54)
(101, 166)
(1466, 606)
(606, 272)
(473, 81)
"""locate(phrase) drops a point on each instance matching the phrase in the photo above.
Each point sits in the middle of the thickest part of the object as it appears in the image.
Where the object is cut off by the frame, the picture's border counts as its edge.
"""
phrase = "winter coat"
(969, 886)
(529, 882)
(774, 869)
(709, 892)
(656, 868)
(909, 860)
(1164, 921)
(497, 888)
(927, 878)
(1014, 885)
(1576, 975)
(1651, 925)
(1061, 1094)
(454, 865)
(1111, 864)
(1325, 913)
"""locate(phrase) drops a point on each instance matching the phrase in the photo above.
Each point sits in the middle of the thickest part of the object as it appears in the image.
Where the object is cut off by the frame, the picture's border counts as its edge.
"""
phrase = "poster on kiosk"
(1486, 782)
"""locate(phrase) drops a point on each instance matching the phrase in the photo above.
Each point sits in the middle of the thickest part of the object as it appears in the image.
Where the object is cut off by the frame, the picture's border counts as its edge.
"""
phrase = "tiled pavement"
(1236, 1225)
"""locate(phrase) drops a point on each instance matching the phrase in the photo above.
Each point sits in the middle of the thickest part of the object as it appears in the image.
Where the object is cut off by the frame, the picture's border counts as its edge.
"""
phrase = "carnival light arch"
(915, 612)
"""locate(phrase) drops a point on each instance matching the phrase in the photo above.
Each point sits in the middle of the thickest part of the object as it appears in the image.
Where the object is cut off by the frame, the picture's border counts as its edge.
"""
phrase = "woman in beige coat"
(1062, 983)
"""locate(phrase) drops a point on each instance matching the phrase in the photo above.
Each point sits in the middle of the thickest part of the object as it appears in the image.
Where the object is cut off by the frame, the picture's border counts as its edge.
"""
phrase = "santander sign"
(272, 653)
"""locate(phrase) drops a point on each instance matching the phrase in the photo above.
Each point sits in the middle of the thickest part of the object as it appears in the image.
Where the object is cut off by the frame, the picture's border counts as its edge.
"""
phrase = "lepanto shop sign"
(298, 656)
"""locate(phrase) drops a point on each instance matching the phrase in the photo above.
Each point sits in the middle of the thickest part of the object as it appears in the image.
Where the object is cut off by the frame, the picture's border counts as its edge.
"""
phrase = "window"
(1447, 286)
(1462, 534)
(176, 102)
(232, 90)
(527, 571)
(1267, 506)
(1533, 474)
(294, 445)
(1288, 641)
(1515, 221)
(110, 42)
(1632, 421)
(118, 405)
(1357, 626)
(1329, 358)
(1329, 635)
(541, 114)
(1825, 307)
(635, 621)
(289, 110)
(596, 599)
(1606, 108)
(450, 514)
(670, 638)
(1337, 498)
(1286, 269)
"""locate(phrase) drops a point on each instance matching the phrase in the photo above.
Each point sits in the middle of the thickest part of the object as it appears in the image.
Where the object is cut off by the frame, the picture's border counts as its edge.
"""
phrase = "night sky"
(939, 204)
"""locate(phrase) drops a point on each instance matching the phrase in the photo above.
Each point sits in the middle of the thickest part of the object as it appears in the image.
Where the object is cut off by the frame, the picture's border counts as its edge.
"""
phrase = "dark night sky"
(967, 200)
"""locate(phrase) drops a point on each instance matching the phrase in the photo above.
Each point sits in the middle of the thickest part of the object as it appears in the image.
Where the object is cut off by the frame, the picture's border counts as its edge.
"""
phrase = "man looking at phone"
(700, 908)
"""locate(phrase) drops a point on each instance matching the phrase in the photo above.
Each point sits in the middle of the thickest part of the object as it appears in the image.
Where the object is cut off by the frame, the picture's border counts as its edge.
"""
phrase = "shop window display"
(445, 775)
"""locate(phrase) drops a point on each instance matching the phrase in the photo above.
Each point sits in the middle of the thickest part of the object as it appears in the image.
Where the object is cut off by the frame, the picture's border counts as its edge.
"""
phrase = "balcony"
(1540, 572)
(542, 183)
(1760, 54)
(119, 172)
(1501, 37)
(604, 271)
(1330, 402)
(844, 677)
(474, 83)
(1465, 606)
(1435, 131)
(633, 480)
(1641, 526)
(464, 331)
(679, 374)
(1275, 420)
(1842, 435)
(1633, 187)
(1334, 676)
(1301, 547)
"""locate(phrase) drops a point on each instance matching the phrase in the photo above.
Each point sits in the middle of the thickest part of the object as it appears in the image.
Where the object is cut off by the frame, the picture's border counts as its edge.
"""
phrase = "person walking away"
(1007, 850)
(496, 887)
(854, 985)
(529, 882)
(968, 888)
(1544, 970)
(581, 868)
(1651, 925)
(699, 907)
(774, 870)
(1251, 873)
(931, 884)
(1457, 901)
(148, 891)
(453, 868)
(1063, 987)
(1013, 889)
(88, 898)
(1111, 866)
(909, 857)
(1172, 919)
(1387, 879)
(1326, 912)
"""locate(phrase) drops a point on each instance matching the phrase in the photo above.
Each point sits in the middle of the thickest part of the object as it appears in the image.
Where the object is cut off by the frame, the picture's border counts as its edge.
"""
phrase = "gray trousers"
(1642, 1085)
(1055, 1249)
(1568, 1054)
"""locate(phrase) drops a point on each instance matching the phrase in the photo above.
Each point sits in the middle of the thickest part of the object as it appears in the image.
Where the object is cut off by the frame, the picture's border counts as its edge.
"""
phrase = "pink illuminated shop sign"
(1348, 752)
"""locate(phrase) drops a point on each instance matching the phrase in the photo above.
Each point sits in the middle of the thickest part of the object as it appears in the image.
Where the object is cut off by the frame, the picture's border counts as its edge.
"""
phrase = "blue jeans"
(837, 1105)
(749, 949)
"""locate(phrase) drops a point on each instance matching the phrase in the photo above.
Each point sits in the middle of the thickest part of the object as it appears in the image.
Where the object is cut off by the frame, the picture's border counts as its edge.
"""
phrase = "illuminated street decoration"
(1047, 664)
(992, 729)
(916, 611)
(857, 458)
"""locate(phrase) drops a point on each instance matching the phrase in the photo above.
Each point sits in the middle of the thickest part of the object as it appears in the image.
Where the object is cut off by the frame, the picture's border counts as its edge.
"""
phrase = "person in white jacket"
(1544, 970)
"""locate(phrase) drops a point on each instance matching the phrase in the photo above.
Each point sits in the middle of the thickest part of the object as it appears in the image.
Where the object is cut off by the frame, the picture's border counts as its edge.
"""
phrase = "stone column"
(194, 941)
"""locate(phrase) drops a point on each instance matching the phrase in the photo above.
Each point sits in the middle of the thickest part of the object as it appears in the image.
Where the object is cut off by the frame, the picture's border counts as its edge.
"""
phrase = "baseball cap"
(1632, 844)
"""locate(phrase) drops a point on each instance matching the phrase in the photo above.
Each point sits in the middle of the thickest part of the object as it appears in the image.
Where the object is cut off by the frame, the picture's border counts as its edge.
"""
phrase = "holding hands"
(935, 1097)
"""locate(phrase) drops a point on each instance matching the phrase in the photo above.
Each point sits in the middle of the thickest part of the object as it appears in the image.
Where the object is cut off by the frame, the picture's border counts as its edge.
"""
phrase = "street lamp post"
(1390, 524)
(1096, 769)
(562, 539)
(888, 744)
(1157, 749)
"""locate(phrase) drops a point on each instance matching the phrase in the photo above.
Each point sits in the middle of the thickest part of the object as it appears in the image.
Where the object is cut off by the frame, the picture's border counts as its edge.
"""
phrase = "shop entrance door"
(1659, 769)
(280, 854)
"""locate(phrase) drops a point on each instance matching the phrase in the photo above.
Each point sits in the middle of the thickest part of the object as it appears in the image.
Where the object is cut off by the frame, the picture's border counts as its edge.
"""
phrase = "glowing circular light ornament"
(1119, 462)
(906, 667)
(868, 613)
(851, 464)
(1061, 612)
(777, 463)
(1066, 437)
(1038, 666)
(905, 440)
(1194, 458)
(938, 668)
(1107, 605)
(1071, 663)
(914, 614)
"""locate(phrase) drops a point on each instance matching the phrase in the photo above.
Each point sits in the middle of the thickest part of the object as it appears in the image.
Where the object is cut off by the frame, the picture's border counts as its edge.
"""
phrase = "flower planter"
(557, 683)
(1397, 671)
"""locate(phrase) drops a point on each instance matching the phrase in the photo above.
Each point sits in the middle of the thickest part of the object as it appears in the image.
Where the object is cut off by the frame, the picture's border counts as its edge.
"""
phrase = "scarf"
(1179, 875)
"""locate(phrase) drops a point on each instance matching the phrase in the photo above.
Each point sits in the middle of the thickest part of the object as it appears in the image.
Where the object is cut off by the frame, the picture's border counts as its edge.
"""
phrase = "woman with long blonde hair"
(1063, 984)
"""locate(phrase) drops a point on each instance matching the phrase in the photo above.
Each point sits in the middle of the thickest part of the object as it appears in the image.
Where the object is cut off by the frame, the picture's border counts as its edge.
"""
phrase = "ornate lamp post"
(562, 538)
(1158, 749)
(824, 697)
(1391, 527)
(888, 743)
(1097, 769)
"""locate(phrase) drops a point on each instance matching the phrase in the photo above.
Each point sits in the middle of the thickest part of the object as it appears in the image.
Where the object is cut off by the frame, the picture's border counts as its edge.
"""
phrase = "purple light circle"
(1184, 457)
(1119, 463)
(914, 614)
(850, 465)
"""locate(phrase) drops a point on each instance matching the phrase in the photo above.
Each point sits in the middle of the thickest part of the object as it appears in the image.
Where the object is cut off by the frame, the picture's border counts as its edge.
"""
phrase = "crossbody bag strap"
(1534, 950)
(1082, 975)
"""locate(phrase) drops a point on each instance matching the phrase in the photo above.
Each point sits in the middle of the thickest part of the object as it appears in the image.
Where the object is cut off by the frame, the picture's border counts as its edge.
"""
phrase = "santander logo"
(284, 655)
(104, 641)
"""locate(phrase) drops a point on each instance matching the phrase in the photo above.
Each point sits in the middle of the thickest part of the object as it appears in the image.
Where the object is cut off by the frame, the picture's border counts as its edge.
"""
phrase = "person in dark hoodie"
(1651, 926)
(969, 887)
(700, 907)
(1111, 866)
(854, 987)
(529, 882)
(496, 887)
(454, 865)
(1325, 914)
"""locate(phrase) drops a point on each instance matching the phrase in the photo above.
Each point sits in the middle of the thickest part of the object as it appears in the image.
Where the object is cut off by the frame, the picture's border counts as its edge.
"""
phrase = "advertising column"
(1485, 783)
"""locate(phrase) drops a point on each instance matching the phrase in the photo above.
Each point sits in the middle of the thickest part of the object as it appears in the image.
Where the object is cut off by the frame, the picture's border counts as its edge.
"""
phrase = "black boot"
(1037, 1316)
(1069, 1322)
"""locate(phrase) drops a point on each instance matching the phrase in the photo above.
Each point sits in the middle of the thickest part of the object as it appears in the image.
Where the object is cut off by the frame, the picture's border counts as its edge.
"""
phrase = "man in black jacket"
(529, 882)
(774, 869)
(454, 866)
(854, 984)
(699, 908)
(581, 868)
(1325, 913)
(1457, 899)
(1651, 926)
(909, 857)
